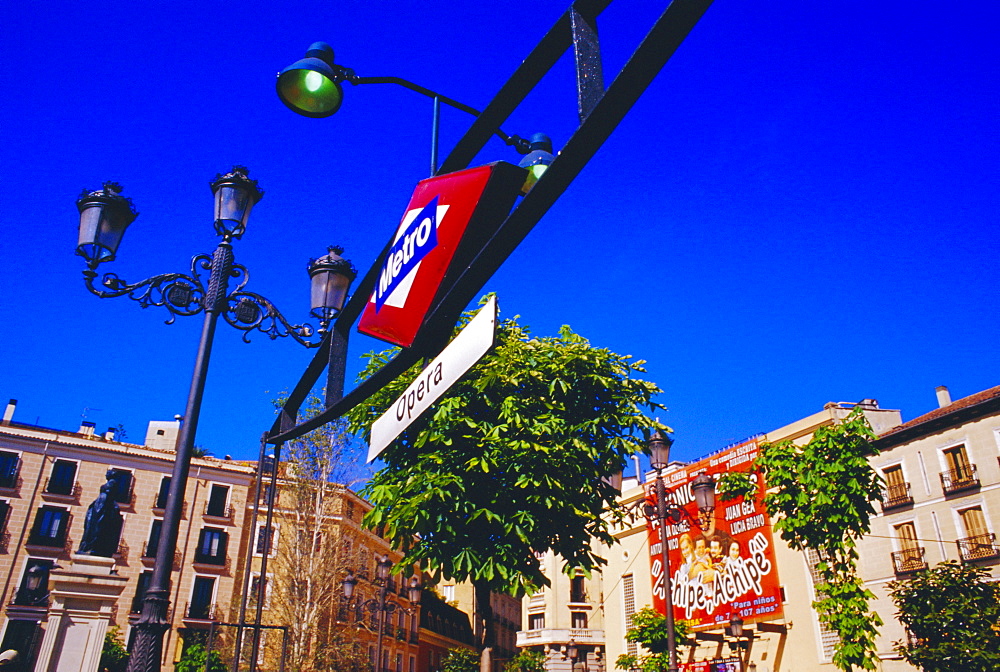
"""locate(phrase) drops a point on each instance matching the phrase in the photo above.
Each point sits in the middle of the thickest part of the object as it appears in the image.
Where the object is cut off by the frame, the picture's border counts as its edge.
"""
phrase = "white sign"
(467, 349)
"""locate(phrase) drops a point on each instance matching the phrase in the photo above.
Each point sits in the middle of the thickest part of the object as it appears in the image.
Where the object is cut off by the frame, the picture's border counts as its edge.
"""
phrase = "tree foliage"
(114, 657)
(460, 660)
(526, 661)
(508, 463)
(649, 628)
(952, 614)
(821, 496)
(193, 660)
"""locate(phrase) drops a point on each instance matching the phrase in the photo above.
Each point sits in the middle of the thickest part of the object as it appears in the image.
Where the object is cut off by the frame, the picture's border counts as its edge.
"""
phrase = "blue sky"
(802, 208)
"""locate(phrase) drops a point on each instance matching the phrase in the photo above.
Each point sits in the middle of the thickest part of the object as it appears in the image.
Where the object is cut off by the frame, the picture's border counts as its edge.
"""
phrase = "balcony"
(11, 483)
(219, 562)
(561, 636)
(219, 512)
(909, 560)
(957, 480)
(149, 555)
(197, 611)
(979, 547)
(62, 490)
(895, 496)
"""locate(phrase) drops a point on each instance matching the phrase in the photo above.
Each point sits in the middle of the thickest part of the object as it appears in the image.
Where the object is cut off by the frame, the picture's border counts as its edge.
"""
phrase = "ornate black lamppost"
(703, 488)
(379, 604)
(104, 216)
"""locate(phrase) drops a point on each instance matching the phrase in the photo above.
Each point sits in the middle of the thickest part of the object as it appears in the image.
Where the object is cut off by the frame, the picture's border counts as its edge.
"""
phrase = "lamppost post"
(379, 604)
(703, 489)
(104, 216)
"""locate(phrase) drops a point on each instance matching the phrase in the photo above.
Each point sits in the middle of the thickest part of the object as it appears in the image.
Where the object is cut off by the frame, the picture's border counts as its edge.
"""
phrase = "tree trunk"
(483, 616)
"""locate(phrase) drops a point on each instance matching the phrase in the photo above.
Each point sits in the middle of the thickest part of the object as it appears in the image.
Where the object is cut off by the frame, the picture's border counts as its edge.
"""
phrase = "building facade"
(48, 478)
(795, 641)
(942, 500)
(565, 616)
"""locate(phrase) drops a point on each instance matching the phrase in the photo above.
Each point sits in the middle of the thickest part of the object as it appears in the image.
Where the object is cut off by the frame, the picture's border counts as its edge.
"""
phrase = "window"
(123, 494)
(62, 479)
(50, 527)
(399, 662)
(211, 546)
(10, 465)
(576, 589)
(154, 540)
(39, 595)
(628, 606)
(579, 619)
(897, 490)
(201, 597)
(255, 591)
(349, 510)
(978, 543)
(959, 473)
(4, 514)
(413, 663)
(448, 593)
(910, 556)
(828, 638)
(536, 621)
(140, 591)
(217, 500)
(161, 496)
(265, 541)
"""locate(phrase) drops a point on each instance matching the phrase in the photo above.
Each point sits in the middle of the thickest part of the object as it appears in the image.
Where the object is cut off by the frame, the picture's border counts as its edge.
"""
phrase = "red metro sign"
(446, 222)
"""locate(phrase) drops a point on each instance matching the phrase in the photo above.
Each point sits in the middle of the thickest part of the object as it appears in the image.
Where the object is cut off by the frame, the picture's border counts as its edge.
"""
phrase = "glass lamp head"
(104, 216)
(658, 449)
(330, 279)
(235, 195)
(311, 87)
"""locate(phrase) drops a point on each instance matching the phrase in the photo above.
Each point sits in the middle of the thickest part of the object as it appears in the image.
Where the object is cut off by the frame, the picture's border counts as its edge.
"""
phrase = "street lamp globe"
(349, 583)
(331, 277)
(104, 216)
(658, 449)
(703, 489)
(311, 86)
(415, 590)
(383, 567)
(235, 195)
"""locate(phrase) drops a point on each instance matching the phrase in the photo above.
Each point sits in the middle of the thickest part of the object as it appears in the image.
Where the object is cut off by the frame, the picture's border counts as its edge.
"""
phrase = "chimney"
(110, 434)
(86, 428)
(9, 411)
(943, 396)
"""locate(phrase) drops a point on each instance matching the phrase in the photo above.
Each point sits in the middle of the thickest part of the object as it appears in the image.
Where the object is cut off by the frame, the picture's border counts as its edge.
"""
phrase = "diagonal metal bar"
(656, 48)
(531, 71)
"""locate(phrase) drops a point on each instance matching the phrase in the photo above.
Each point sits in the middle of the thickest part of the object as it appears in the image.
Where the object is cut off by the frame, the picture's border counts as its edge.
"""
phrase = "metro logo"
(412, 244)
(447, 221)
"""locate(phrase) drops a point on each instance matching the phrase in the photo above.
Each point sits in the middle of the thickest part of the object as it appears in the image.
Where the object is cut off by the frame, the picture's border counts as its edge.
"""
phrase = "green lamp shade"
(310, 88)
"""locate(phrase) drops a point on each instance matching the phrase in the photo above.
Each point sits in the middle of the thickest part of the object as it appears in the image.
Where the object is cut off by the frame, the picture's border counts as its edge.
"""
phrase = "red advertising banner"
(726, 566)
(717, 665)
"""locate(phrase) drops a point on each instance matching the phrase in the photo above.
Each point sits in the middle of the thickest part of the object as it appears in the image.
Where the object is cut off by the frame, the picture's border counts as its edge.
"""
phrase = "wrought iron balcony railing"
(979, 547)
(896, 495)
(909, 560)
(962, 478)
(63, 489)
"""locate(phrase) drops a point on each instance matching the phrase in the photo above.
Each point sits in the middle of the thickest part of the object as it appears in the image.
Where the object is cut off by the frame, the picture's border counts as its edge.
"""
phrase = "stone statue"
(102, 527)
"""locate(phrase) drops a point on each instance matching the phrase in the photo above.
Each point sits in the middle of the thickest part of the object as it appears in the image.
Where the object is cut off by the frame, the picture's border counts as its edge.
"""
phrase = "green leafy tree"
(649, 628)
(114, 657)
(526, 661)
(460, 660)
(952, 614)
(193, 660)
(509, 461)
(822, 497)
